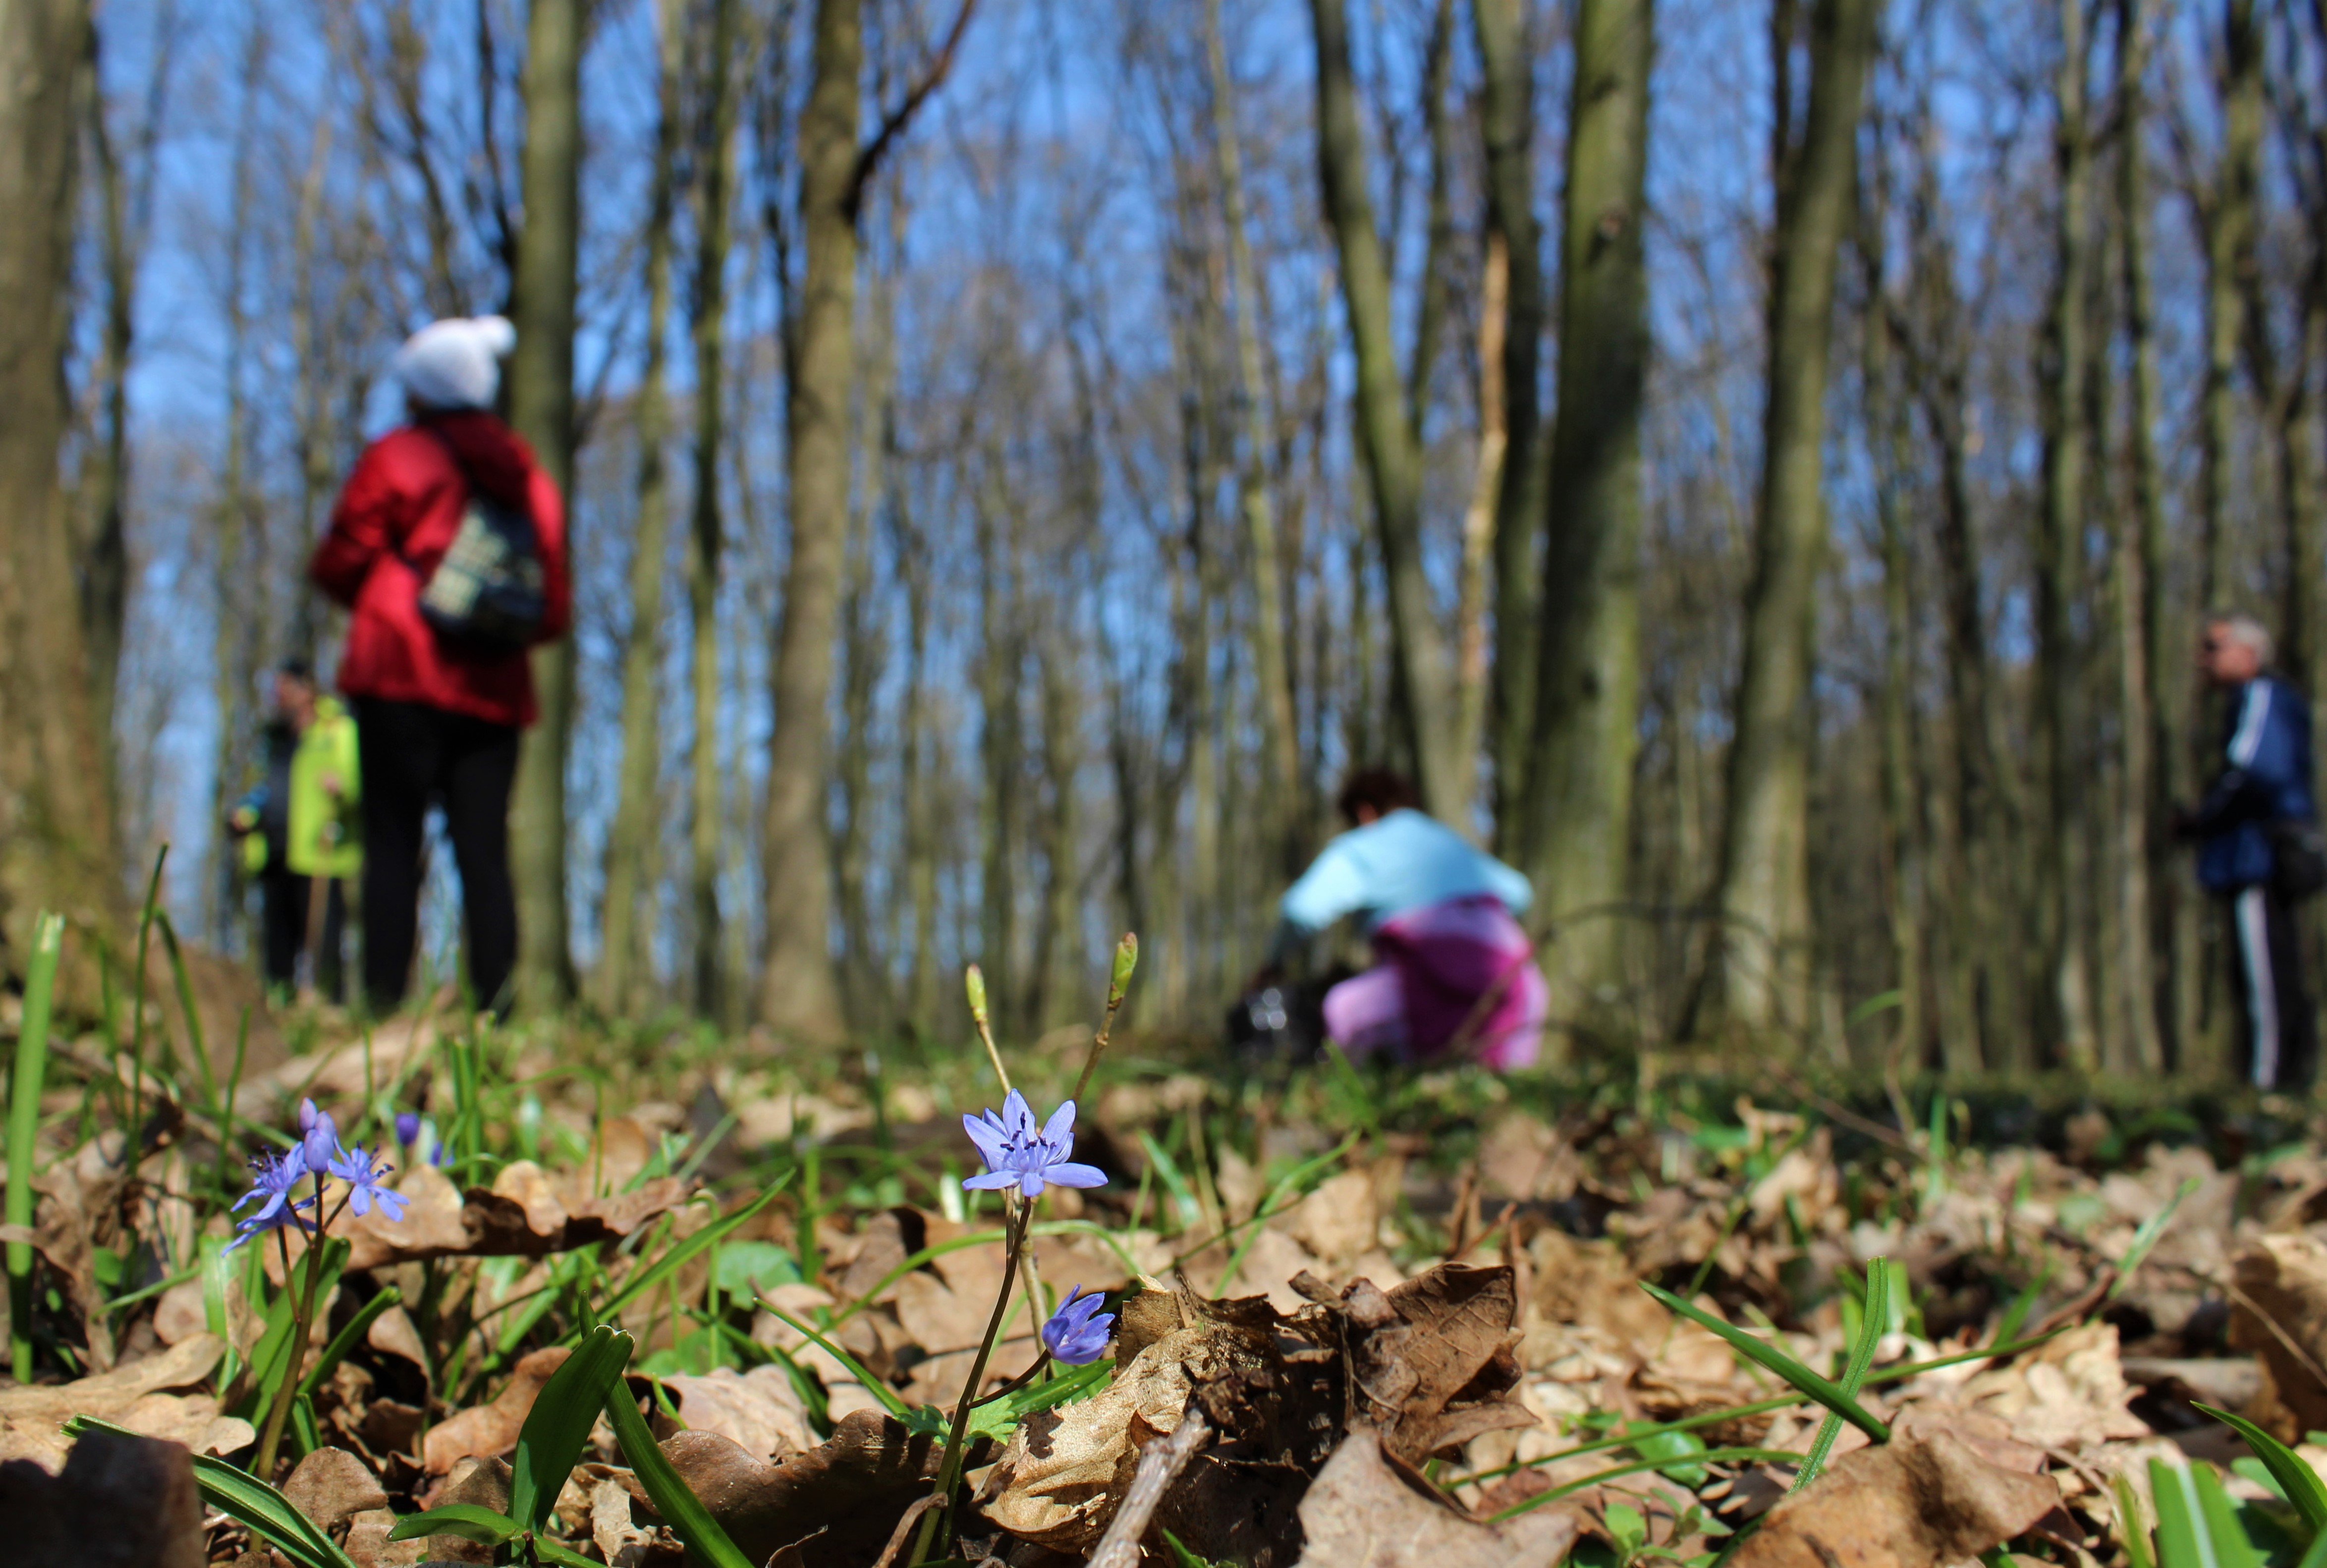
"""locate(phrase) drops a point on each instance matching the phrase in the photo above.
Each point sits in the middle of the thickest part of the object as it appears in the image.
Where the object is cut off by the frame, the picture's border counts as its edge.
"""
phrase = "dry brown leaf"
(522, 1215)
(1431, 1361)
(109, 1394)
(1065, 1471)
(480, 1480)
(332, 1486)
(492, 1429)
(760, 1409)
(852, 1486)
(119, 1502)
(1365, 1510)
(1916, 1502)
(2283, 1320)
(1341, 1218)
(2069, 1393)
(368, 1546)
(612, 1528)
(179, 1314)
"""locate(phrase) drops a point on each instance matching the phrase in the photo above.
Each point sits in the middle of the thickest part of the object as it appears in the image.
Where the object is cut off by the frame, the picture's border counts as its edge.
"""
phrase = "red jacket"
(394, 522)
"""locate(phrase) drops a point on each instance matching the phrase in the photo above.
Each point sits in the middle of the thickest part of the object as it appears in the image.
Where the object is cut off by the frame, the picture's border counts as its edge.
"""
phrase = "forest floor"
(653, 1299)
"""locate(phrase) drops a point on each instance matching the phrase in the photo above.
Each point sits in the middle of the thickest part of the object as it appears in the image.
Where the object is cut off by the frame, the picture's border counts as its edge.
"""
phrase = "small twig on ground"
(1160, 1464)
(904, 1527)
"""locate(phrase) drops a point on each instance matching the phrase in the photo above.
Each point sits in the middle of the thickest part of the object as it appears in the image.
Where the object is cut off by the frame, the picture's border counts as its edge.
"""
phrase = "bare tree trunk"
(1762, 972)
(541, 407)
(1286, 843)
(2140, 556)
(1389, 430)
(1507, 122)
(1587, 690)
(56, 835)
(799, 993)
(999, 746)
(1905, 814)
(1059, 956)
(233, 642)
(2061, 378)
(630, 888)
(714, 224)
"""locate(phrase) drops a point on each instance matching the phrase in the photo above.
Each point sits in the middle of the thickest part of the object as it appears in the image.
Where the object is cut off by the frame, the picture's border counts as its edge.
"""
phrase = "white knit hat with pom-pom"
(454, 363)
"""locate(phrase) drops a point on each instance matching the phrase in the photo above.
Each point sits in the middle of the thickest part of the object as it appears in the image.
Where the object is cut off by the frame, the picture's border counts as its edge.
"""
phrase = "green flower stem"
(286, 1393)
(949, 1463)
(1118, 983)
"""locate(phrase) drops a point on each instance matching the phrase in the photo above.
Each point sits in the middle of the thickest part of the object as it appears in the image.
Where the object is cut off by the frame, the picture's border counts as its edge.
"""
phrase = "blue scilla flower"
(1077, 1333)
(355, 1168)
(1017, 1154)
(272, 1179)
(319, 1136)
(407, 1128)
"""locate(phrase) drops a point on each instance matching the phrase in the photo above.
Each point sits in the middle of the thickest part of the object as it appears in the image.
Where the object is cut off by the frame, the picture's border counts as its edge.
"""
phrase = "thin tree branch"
(1160, 1464)
(868, 160)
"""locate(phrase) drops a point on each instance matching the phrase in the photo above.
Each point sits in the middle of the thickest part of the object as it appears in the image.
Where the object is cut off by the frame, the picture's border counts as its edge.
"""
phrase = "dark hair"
(297, 669)
(1384, 790)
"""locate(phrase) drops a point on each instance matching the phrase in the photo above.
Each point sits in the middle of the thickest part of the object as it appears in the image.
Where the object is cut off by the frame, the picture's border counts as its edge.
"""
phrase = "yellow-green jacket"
(326, 833)
(322, 834)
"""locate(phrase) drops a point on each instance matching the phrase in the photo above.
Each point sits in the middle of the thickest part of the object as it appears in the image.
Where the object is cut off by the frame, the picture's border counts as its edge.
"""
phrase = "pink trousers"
(1459, 976)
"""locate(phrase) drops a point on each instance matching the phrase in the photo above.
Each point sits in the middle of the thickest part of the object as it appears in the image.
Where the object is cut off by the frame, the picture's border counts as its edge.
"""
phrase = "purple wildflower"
(1019, 1155)
(272, 1178)
(355, 1168)
(407, 1128)
(319, 1136)
(1077, 1333)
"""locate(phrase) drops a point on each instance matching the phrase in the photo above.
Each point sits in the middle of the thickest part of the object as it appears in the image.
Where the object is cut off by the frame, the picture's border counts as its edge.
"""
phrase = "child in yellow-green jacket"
(302, 834)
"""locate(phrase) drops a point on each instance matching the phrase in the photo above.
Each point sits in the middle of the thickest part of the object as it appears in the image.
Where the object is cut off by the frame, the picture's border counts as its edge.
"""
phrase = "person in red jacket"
(437, 720)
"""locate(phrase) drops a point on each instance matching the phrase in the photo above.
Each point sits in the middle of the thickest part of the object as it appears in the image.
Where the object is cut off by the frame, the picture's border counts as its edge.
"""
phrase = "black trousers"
(283, 899)
(414, 756)
(2278, 1037)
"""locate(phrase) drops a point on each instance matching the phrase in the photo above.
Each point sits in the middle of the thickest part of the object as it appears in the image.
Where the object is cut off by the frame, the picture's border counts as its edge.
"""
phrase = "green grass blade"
(872, 1385)
(344, 1342)
(550, 1444)
(2232, 1547)
(546, 1550)
(1771, 1358)
(249, 1501)
(185, 986)
(32, 1072)
(2146, 1236)
(1710, 1456)
(2131, 1532)
(677, 1255)
(1873, 1323)
(468, 1521)
(681, 1509)
(2178, 1544)
(2296, 1478)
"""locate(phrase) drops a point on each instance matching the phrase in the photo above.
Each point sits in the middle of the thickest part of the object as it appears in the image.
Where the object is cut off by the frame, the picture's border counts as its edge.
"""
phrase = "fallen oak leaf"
(1367, 1510)
(1917, 1501)
(492, 1429)
(837, 1503)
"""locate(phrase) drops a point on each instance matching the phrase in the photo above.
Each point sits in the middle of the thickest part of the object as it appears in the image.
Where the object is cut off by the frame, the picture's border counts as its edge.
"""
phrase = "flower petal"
(1018, 1116)
(987, 1135)
(391, 1204)
(991, 1182)
(1058, 1132)
(1067, 1173)
(1030, 1181)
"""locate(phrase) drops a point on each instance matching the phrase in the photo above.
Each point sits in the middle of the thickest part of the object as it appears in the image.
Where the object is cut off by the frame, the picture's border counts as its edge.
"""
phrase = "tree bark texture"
(1280, 739)
(714, 224)
(541, 407)
(56, 835)
(2064, 365)
(1507, 123)
(1388, 434)
(629, 919)
(2139, 572)
(1588, 692)
(799, 993)
(1763, 973)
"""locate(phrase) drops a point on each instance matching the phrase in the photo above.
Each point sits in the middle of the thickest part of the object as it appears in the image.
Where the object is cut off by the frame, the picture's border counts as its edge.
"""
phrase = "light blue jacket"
(1399, 862)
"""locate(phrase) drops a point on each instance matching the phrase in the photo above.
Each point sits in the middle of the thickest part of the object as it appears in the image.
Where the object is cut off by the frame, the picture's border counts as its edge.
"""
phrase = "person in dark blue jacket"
(2266, 781)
